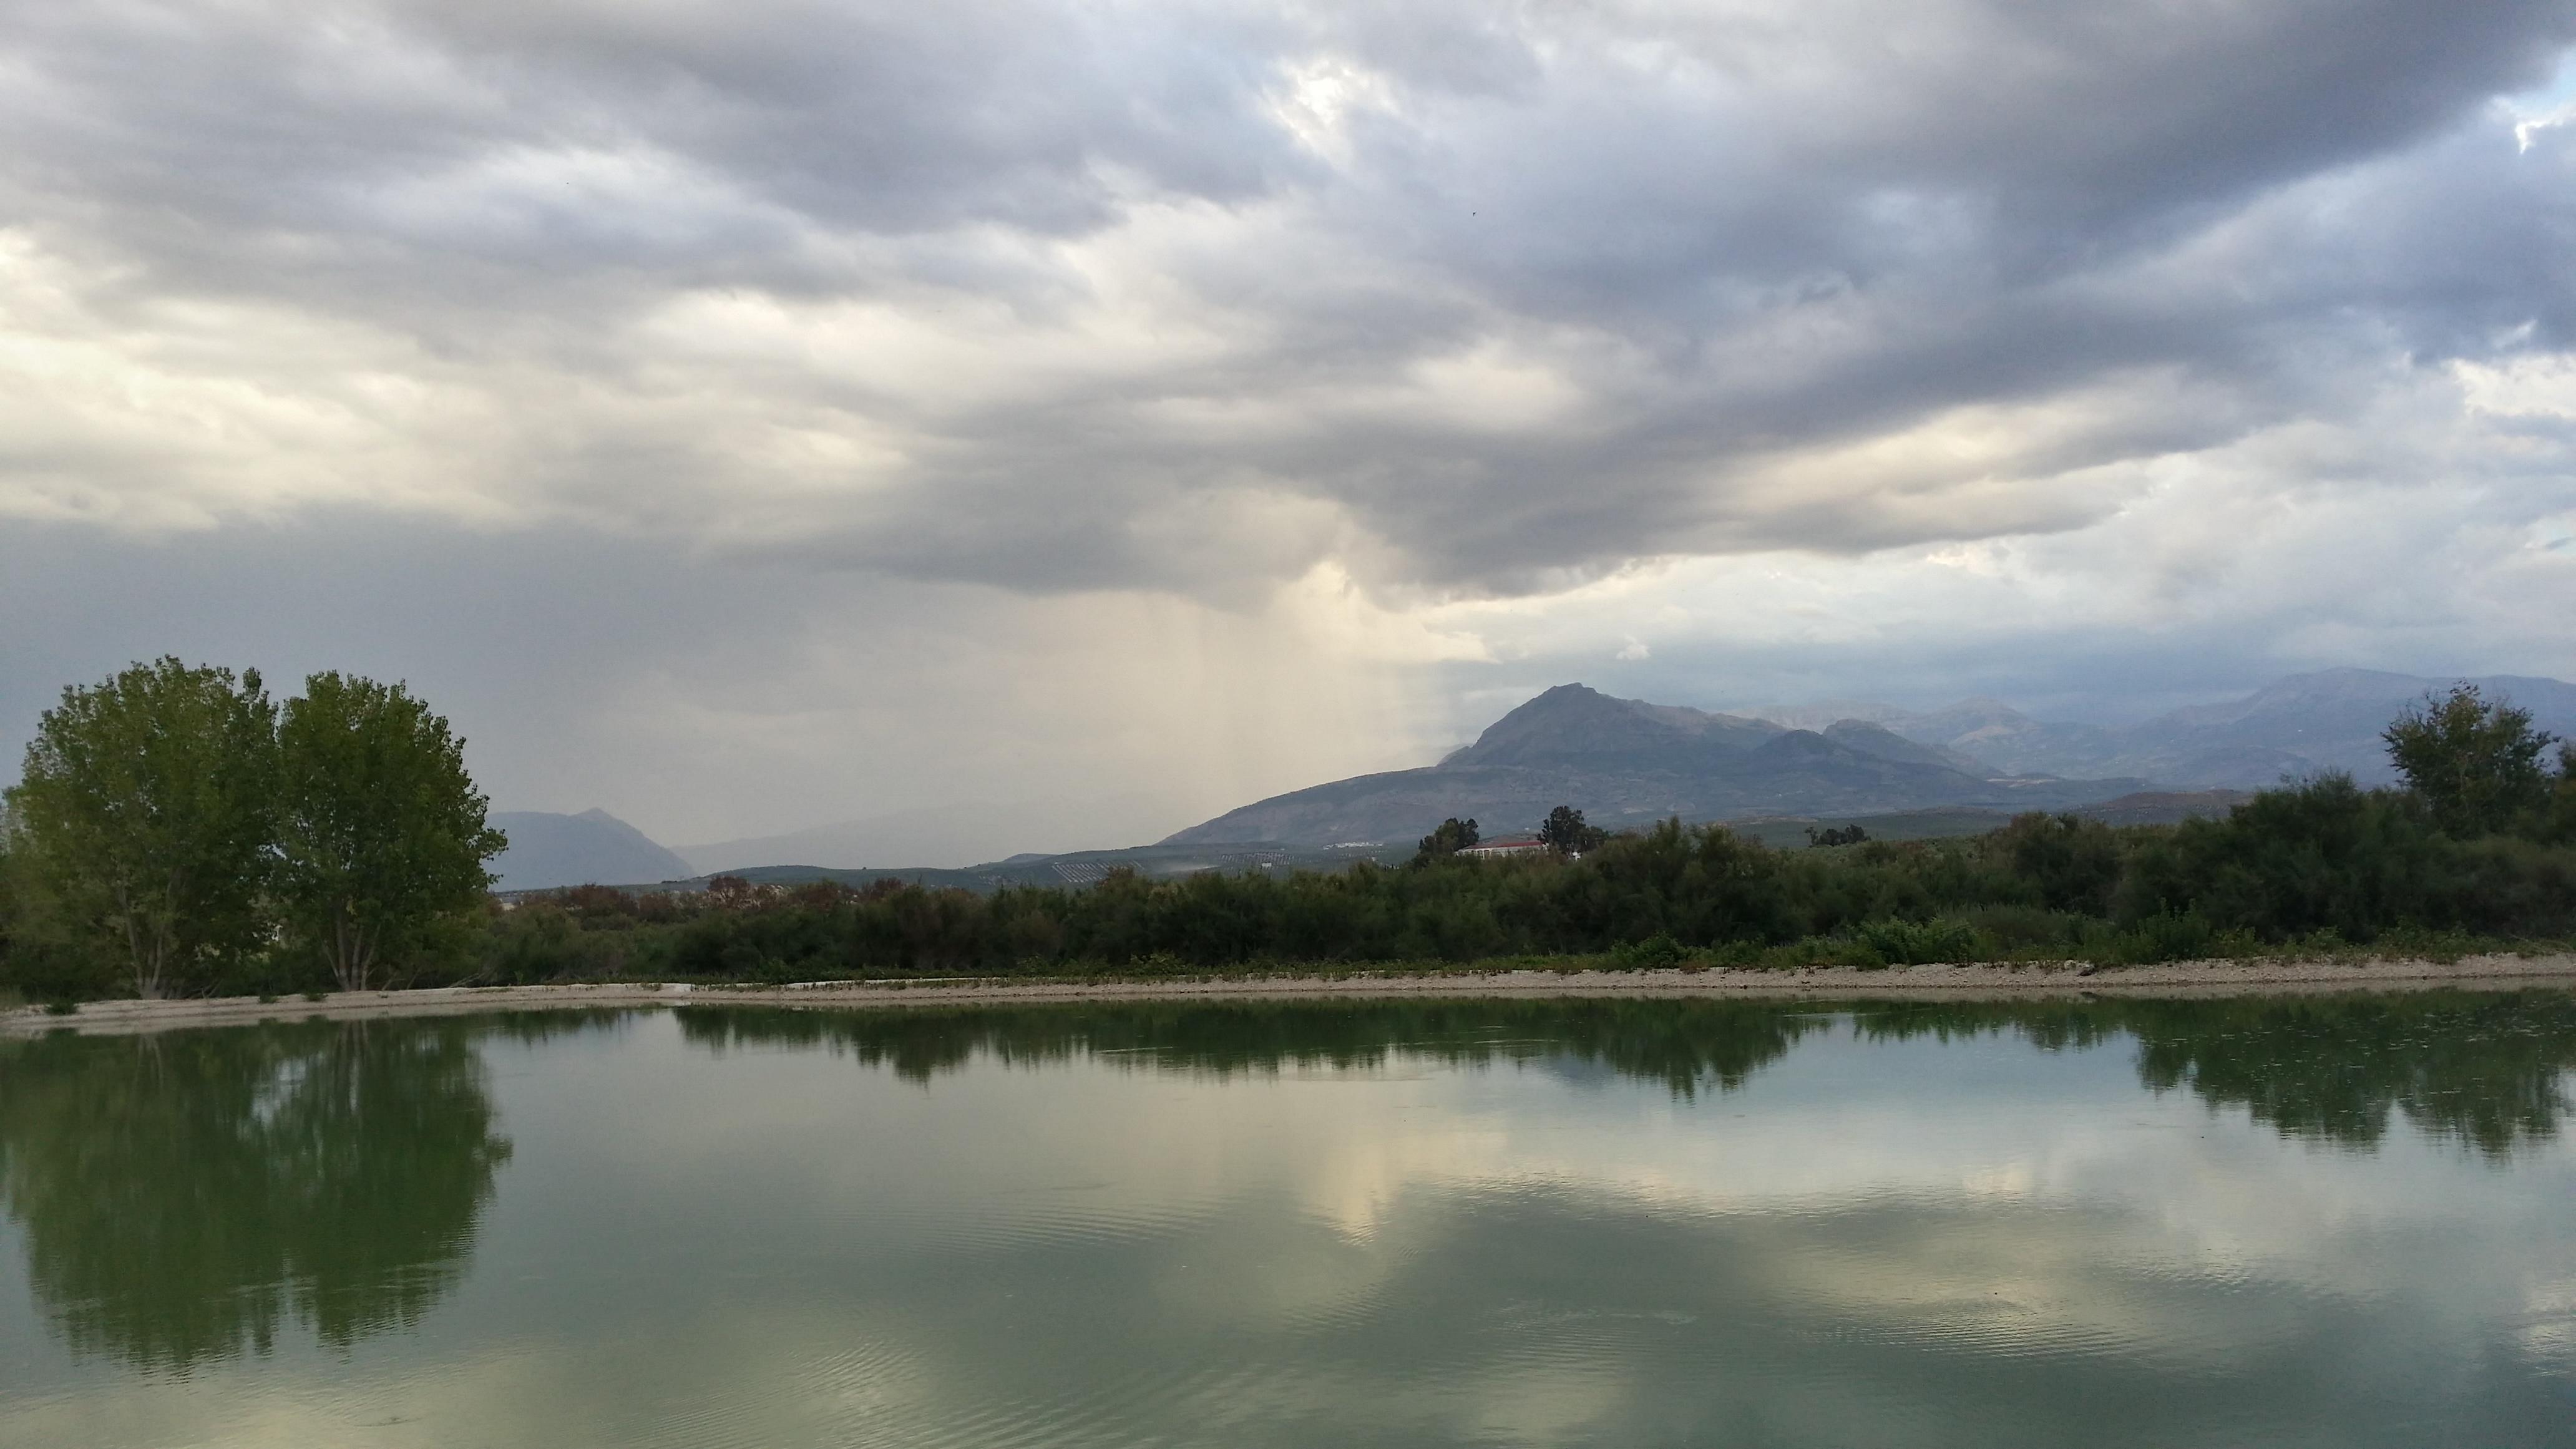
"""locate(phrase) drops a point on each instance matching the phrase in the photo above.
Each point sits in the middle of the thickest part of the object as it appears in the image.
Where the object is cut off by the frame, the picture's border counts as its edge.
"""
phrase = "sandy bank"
(2070, 980)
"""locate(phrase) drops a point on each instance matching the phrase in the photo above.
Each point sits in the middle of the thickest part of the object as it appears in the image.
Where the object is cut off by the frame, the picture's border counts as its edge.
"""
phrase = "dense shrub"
(2298, 867)
(2303, 867)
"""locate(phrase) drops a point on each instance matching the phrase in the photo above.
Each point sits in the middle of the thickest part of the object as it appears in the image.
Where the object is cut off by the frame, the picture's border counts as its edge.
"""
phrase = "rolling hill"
(1627, 762)
(592, 848)
(2292, 727)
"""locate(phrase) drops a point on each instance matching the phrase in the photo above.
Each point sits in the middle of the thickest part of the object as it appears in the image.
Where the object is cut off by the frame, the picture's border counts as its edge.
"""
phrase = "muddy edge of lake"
(2065, 980)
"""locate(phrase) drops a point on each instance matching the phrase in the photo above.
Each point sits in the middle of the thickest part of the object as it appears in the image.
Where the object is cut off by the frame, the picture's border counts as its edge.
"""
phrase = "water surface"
(1619, 1223)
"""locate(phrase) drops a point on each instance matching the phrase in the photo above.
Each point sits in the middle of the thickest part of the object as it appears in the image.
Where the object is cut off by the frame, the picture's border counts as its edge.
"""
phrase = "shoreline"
(2063, 980)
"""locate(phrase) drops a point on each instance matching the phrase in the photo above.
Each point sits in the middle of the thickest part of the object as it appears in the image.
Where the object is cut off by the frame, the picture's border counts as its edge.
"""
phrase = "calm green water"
(2220, 1223)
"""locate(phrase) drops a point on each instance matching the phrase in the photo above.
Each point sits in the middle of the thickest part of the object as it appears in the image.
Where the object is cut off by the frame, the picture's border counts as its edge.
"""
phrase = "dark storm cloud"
(1480, 297)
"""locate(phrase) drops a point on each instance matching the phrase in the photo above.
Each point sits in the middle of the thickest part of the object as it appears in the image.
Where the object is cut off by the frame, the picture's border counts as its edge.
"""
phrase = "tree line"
(174, 823)
(2477, 846)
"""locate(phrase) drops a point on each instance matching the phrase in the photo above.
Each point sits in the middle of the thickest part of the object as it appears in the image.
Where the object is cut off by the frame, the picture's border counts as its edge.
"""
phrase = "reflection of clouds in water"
(1980, 1241)
(2040, 1218)
(786, 1372)
(1966, 1278)
(2548, 1330)
(2134, 1200)
(1547, 1406)
(1354, 1184)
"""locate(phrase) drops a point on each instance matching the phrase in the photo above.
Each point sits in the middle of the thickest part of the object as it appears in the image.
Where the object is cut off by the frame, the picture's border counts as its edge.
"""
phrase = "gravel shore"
(2067, 979)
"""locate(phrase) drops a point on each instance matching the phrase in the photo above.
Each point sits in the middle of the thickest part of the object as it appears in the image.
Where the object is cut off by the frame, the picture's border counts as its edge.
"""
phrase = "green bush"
(54, 971)
(1656, 952)
(1919, 943)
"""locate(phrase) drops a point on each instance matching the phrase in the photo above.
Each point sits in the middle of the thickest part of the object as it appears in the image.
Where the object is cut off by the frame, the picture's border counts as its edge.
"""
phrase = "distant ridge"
(1626, 761)
(592, 848)
(2296, 726)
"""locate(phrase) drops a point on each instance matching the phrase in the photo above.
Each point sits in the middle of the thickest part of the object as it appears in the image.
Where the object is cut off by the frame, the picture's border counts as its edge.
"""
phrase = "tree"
(39, 958)
(381, 833)
(143, 812)
(1565, 833)
(2475, 761)
(2560, 823)
(1452, 836)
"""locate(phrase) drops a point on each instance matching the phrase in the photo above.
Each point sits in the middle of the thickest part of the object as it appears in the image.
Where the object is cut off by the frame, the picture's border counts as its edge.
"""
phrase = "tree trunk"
(352, 959)
(143, 957)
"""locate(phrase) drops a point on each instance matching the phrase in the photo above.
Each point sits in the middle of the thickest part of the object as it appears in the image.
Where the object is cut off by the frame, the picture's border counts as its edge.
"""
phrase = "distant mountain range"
(1623, 762)
(1626, 761)
(594, 847)
(2292, 727)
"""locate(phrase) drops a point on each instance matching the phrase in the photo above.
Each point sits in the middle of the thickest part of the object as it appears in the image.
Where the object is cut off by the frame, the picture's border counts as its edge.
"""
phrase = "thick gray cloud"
(1364, 337)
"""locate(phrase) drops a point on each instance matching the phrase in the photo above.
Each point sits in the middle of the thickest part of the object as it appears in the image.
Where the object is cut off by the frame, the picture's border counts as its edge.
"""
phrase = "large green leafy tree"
(142, 815)
(2475, 761)
(381, 833)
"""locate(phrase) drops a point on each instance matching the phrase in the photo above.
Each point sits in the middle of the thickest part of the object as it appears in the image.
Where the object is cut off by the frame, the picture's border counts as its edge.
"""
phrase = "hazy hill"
(592, 848)
(1572, 725)
(2294, 726)
(2000, 738)
(1628, 762)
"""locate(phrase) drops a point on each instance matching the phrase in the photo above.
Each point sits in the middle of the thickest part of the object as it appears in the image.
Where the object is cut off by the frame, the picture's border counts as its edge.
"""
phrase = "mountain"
(2310, 722)
(1873, 739)
(1625, 762)
(1574, 725)
(2009, 740)
(2294, 726)
(1994, 735)
(592, 848)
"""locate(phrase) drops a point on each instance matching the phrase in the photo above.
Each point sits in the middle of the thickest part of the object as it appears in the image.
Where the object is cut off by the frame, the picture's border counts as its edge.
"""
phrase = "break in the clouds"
(1720, 347)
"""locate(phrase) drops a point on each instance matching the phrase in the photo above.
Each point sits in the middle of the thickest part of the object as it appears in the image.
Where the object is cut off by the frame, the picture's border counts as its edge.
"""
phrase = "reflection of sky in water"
(1909, 1242)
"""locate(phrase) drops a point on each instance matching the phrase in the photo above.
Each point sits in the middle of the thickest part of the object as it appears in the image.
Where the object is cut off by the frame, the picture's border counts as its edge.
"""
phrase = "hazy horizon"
(974, 832)
(753, 417)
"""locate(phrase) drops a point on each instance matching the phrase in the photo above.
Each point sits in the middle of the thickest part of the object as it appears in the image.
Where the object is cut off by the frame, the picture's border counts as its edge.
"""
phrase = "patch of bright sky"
(2551, 105)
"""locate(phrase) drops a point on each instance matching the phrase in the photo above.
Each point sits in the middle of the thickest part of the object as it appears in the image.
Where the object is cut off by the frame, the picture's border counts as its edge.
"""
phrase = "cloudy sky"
(755, 414)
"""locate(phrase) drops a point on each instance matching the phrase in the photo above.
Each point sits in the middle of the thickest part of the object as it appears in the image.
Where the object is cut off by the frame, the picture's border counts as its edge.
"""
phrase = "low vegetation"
(2476, 851)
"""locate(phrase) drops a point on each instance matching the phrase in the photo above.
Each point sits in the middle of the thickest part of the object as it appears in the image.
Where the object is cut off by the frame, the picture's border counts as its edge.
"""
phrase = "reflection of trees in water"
(185, 1195)
(1687, 1045)
(2485, 1069)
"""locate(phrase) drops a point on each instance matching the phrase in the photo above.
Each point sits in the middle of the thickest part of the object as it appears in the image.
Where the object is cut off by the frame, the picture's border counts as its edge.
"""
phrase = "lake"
(2292, 1222)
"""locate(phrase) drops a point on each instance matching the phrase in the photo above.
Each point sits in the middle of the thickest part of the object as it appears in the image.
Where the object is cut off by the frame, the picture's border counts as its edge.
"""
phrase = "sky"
(748, 416)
